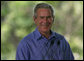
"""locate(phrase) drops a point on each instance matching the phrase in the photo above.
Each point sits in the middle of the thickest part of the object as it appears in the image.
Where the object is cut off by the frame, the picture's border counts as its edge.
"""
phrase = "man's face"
(44, 19)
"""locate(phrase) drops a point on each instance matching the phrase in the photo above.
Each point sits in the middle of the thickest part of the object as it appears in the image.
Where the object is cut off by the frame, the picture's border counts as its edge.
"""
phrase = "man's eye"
(49, 17)
(41, 17)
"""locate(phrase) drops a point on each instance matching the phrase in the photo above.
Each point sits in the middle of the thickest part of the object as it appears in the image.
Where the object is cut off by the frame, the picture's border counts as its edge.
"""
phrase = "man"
(44, 44)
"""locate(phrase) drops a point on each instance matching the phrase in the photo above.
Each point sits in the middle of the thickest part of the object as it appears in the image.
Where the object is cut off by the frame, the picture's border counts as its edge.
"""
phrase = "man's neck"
(46, 34)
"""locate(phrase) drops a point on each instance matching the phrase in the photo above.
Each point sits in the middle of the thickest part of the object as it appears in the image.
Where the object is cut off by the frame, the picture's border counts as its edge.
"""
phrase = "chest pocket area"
(56, 52)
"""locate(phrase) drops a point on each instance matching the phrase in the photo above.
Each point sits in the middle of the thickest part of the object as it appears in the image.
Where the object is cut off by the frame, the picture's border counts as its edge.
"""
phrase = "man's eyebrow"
(42, 16)
(48, 16)
(45, 16)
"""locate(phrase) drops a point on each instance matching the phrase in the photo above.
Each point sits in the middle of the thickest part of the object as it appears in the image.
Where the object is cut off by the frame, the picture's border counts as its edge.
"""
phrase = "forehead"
(43, 11)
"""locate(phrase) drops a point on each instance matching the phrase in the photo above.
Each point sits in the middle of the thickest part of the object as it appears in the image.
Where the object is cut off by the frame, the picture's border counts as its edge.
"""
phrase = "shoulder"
(59, 36)
(24, 42)
(27, 38)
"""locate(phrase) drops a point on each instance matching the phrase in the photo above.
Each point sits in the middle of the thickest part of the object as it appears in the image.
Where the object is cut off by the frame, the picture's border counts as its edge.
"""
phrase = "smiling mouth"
(46, 25)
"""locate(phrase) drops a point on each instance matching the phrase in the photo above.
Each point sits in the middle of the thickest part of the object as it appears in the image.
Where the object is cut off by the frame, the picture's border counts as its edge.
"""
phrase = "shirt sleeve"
(22, 52)
(68, 55)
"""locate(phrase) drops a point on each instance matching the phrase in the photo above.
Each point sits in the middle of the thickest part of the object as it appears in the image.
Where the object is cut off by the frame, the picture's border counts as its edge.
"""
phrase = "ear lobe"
(53, 19)
(34, 19)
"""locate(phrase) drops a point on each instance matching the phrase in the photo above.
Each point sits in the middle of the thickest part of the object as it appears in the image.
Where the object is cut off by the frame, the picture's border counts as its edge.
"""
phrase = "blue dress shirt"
(36, 47)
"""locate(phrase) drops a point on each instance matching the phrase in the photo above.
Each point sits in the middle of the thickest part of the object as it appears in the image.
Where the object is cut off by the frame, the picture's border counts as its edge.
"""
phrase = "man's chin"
(45, 29)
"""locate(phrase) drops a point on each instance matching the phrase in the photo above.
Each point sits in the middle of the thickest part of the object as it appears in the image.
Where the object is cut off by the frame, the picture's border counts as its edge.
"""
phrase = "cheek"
(37, 22)
(50, 22)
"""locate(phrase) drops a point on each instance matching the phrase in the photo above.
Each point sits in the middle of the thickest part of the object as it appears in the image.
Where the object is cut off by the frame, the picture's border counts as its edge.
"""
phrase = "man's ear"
(53, 18)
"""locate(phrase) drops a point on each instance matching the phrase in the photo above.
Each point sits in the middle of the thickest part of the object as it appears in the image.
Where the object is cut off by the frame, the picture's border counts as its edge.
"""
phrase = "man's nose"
(45, 19)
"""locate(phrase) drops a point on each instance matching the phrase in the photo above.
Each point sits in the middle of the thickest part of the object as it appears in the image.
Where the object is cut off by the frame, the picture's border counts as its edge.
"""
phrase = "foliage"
(17, 22)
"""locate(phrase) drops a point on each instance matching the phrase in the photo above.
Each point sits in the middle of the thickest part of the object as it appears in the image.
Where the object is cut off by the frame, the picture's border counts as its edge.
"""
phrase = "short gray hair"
(43, 5)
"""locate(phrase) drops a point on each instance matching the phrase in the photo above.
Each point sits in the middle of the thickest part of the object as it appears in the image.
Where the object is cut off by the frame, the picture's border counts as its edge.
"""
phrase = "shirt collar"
(52, 35)
(39, 36)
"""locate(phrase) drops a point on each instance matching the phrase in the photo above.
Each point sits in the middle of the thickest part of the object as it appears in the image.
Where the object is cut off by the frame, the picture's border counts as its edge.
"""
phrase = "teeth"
(45, 24)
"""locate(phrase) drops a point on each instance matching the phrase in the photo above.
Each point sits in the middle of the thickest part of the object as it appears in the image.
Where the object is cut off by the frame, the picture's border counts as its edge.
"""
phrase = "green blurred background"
(17, 22)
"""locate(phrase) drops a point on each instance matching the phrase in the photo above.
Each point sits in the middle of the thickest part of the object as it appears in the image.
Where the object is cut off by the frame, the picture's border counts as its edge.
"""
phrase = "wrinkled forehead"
(44, 12)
